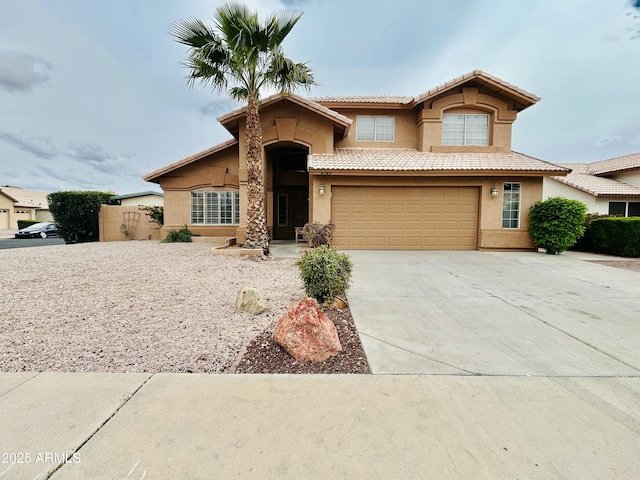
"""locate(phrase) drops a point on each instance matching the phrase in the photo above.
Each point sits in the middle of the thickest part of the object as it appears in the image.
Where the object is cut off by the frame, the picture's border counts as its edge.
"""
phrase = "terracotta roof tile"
(27, 198)
(476, 73)
(382, 99)
(582, 177)
(149, 177)
(626, 162)
(379, 159)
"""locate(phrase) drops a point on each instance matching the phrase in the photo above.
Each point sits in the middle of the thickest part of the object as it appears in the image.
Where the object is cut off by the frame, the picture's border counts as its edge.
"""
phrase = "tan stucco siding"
(216, 172)
(405, 134)
(491, 235)
(289, 122)
(139, 226)
(501, 118)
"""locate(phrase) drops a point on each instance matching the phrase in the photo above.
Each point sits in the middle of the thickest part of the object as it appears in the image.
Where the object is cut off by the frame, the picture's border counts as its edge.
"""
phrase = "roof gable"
(231, 120)
(156, 174)
(521, 98)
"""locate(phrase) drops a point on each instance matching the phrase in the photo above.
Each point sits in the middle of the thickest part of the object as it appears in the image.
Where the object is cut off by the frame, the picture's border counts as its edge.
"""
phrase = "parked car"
(42, 229)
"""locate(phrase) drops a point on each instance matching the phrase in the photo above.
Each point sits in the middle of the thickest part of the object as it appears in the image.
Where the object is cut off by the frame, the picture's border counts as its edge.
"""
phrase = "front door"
(291, 211)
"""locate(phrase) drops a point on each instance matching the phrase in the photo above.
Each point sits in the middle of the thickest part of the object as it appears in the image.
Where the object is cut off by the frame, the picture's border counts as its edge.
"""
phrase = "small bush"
(181, 236)
(617, 236)
(26, 223)
(325, 272)
(318, 234)
(76, 214)
(557, 223)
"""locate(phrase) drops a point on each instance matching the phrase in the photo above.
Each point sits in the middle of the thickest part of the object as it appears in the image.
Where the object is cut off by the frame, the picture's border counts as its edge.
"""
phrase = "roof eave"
(154, 176)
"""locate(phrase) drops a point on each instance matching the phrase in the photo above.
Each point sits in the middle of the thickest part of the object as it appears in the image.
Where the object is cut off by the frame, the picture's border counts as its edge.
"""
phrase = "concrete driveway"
(479, 313)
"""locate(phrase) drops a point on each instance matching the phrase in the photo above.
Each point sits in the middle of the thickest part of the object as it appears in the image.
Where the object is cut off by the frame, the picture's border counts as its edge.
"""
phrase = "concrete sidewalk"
(554, 339)
(116, 426)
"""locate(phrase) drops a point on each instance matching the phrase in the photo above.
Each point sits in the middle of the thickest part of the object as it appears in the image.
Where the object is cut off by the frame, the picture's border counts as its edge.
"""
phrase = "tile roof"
(149, 177)
(26, 198)
(308, 103)
(626, 162)
(476, 74)
(587, 177)
(433, 92)
(392, 159)
(382, 99)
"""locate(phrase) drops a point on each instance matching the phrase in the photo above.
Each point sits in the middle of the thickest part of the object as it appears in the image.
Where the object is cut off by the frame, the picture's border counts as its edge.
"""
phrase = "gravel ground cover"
(133, 307)
(149, 307)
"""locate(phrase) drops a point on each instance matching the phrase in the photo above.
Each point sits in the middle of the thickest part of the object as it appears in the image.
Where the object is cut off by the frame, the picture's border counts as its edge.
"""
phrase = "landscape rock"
(250, 300)
(307, 334)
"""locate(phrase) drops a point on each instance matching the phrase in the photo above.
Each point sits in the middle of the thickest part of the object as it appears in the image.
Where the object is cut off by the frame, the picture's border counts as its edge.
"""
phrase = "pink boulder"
(307, 333)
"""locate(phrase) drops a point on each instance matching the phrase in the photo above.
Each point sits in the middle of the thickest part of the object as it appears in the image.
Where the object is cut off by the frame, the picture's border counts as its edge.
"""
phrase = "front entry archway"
(290, 181)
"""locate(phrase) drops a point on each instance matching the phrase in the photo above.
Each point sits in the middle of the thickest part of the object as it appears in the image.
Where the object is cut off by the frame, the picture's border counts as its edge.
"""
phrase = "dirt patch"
(628, 264)
(264, 355)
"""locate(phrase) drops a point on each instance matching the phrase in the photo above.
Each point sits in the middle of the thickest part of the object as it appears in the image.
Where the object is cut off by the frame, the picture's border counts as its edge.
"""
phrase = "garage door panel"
(405, 217)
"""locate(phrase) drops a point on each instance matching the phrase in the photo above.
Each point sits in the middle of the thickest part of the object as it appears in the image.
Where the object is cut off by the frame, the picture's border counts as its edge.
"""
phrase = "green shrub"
(181, 236)
(76, 214)
(617, 236)
(557, 223)
(585, 243)
(325, 272)
(26, 223)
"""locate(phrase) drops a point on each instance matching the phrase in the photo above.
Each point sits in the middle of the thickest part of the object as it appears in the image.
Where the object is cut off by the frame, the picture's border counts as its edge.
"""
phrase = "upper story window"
(465, 129)
(215, 208)
(375, 128)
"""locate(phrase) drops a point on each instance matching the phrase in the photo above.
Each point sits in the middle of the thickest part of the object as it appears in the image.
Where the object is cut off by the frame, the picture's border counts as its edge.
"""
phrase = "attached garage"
(405, 218)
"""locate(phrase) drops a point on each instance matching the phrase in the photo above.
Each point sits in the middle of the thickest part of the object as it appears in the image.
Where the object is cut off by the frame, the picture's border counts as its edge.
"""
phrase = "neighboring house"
(435, 171)
(606, 187)
(19, 204)
(145, 199)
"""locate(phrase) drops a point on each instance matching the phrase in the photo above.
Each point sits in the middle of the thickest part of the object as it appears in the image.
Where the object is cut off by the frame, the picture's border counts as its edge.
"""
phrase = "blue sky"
(93, 95)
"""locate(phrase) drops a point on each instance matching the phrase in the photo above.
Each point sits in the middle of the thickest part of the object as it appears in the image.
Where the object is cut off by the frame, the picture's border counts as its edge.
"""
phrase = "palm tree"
(242, 55)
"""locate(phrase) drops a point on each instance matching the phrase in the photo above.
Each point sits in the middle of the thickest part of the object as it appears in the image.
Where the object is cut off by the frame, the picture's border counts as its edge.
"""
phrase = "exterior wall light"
(494, 191)
(321, 189)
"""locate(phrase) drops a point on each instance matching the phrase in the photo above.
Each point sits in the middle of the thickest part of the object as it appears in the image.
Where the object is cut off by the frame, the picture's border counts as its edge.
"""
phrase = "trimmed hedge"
(76, 214)
(26, 223)
(616, 236)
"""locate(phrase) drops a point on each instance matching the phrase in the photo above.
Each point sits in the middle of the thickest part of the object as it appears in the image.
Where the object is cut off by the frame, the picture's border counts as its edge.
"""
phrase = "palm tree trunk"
(257, 235)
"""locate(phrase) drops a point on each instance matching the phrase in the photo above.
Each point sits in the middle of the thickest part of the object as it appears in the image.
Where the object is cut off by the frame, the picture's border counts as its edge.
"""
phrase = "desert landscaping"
(144, 306)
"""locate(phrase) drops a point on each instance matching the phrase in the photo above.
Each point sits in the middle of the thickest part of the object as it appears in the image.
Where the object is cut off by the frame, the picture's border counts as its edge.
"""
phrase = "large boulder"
(307, 333)
(250, 300)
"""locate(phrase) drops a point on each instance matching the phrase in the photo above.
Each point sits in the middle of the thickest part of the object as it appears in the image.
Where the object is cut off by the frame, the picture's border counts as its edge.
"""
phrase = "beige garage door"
(420, 218)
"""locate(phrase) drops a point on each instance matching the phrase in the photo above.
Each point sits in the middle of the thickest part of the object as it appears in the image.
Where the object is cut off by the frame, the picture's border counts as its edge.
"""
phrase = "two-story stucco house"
(435, 171)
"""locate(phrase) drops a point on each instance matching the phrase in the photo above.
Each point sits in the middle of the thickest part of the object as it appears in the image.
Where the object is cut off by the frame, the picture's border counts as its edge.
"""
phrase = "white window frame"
(458, 129)
(213, 208)
(375, 128)
(508, 201)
